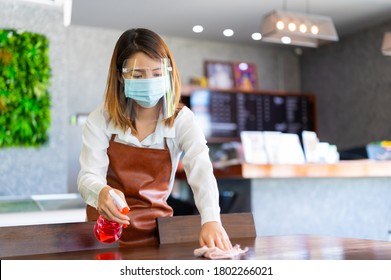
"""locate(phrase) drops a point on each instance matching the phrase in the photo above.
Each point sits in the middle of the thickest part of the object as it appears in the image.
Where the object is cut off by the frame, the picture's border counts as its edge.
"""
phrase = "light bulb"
(286, 40)
(303, 28)
(198, 28)
(280, 25)
(228, 32)
(256, 36)
(314, 29)
(292, 26)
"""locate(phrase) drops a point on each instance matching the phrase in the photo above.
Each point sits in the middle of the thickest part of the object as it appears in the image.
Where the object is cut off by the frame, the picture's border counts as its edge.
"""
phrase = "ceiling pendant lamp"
(300, 29)
(386, 45)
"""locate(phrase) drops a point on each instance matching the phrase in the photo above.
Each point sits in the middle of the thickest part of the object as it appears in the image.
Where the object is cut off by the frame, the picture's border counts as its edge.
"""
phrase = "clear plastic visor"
(148, 85)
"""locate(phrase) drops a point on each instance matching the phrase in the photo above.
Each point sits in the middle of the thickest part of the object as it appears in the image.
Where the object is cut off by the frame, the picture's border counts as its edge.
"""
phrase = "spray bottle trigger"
(122, 206)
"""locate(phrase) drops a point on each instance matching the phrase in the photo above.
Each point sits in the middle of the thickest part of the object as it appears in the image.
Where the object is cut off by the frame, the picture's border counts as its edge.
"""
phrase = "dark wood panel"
(236, 225)
(50, 238)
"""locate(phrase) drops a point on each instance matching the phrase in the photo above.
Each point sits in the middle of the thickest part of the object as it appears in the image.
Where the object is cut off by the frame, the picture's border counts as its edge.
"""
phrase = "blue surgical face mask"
(146, 92)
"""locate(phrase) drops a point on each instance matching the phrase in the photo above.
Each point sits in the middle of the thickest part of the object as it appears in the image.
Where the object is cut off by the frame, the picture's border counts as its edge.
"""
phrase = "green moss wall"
(24, 81)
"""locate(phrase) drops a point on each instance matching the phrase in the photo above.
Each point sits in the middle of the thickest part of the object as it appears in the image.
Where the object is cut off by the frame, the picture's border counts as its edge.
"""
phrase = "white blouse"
(185, 136)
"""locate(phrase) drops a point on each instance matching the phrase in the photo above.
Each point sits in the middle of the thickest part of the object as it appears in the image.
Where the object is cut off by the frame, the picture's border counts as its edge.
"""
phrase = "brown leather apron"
(143, 175)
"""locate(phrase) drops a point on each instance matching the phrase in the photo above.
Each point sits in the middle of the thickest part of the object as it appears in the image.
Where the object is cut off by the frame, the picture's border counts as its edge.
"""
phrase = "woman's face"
(141, 66)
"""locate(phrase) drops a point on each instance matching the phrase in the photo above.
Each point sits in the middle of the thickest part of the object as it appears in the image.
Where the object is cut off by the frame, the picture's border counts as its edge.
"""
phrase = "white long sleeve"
(184, 137)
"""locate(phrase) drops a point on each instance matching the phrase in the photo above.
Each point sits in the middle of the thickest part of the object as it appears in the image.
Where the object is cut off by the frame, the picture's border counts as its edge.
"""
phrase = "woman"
(133, 142)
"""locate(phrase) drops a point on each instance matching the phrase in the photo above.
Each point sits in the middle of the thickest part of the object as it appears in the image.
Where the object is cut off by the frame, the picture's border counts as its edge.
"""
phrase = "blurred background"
(350, 79)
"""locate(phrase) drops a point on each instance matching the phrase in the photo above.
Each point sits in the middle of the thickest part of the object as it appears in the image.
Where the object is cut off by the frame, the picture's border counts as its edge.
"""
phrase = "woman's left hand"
(214, 235)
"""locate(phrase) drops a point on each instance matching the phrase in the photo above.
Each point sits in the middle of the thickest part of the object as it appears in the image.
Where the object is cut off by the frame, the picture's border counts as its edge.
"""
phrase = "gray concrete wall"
(25, 171)
(352, 82)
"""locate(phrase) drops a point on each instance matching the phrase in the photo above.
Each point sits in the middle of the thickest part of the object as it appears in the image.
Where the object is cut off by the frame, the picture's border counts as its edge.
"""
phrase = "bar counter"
(341, 169)
(75, 241)
(348, 198)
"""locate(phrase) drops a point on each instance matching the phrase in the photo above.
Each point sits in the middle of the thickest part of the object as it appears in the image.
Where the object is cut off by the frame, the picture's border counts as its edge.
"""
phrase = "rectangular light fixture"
(65, 4)
(386, 45)
(300, 29)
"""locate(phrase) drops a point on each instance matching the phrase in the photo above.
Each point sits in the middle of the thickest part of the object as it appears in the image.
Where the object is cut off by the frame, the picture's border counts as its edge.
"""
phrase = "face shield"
(148, 85)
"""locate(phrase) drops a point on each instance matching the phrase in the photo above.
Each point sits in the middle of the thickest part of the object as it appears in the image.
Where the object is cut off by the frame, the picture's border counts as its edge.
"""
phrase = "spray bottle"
(108, 231)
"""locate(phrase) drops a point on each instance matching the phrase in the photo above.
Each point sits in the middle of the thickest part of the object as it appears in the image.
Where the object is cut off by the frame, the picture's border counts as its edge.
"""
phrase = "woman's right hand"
(108, 209)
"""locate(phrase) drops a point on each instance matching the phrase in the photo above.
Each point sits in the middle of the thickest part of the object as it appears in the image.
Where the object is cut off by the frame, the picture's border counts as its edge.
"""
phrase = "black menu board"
(226, 114)
(223, 114)
(249, 112)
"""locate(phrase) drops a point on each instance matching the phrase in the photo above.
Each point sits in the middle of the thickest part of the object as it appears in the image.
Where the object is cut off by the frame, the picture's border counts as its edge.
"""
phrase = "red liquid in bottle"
(107, 231)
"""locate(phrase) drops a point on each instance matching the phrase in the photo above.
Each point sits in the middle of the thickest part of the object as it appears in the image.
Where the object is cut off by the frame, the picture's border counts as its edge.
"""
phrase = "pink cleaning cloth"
(217, 254)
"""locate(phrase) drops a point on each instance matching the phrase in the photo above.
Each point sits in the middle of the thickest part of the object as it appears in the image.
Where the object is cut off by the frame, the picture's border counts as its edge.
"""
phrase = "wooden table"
(298, 247)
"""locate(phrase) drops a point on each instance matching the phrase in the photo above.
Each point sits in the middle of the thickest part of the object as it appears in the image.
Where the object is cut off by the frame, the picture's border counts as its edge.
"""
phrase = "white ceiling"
(177, 17)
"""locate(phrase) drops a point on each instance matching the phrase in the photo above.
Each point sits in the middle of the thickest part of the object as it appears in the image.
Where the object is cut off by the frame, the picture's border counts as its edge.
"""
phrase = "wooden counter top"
(342, 169)
(296, 247)
(76, 241)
